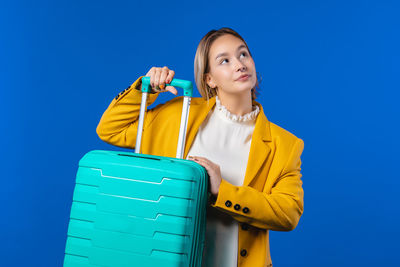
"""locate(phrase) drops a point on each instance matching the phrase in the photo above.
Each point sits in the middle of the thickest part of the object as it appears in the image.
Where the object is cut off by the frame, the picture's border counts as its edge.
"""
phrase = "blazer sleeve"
(279, 210)
(118, 125)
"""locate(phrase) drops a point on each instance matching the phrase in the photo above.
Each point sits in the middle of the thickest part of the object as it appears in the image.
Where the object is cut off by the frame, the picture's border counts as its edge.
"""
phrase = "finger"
(197, 157)
(156, 80)
(194, 158)
(163, 76)
(211, 165)
(170, 76)
(204, 162)
(171, 89)
(150, 72)
(203, 159)
(157, 89)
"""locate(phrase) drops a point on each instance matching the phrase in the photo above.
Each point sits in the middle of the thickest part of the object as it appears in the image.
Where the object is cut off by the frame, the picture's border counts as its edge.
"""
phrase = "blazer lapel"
(259, 149)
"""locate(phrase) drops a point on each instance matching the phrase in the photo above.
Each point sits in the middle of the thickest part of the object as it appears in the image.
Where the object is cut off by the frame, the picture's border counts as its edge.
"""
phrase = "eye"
(243, 53)
(223, 61)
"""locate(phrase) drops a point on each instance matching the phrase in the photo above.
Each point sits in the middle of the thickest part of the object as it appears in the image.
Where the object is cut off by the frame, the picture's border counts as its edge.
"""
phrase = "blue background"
(330, 75)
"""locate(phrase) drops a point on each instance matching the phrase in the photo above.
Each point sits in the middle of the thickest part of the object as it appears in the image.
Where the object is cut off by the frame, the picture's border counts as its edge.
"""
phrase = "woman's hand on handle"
(159, 77)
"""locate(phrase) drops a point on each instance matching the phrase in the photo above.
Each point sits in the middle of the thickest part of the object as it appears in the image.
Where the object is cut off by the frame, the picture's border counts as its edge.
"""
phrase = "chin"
(244, 87)
(242, 91)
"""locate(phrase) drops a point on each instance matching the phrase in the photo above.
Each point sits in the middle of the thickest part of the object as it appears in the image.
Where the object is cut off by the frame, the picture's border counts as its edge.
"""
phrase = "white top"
(224, 138)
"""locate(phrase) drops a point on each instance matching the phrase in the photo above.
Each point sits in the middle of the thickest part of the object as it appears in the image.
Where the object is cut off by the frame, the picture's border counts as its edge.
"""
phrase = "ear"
(210, 81)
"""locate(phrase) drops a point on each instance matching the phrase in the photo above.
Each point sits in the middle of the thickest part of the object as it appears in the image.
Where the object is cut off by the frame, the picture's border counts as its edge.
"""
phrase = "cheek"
(254, 81)
(223, 76)
(253, 67)
(254, 73)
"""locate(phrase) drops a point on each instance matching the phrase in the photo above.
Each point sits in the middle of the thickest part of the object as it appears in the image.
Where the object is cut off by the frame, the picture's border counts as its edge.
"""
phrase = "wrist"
(216, 190)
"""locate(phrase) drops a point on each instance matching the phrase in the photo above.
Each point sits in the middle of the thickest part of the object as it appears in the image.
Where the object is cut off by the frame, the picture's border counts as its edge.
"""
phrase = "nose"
(240, 66)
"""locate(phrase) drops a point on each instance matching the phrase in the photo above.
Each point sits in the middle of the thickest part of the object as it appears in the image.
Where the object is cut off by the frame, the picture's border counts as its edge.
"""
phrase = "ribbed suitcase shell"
(137, 210)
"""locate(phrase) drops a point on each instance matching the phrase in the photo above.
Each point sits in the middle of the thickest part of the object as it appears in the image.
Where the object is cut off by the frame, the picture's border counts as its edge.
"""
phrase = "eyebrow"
(225, 54)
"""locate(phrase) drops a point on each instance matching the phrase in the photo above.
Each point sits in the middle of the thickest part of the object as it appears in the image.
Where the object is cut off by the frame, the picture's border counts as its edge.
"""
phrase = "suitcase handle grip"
(187, 86)
(188, 91)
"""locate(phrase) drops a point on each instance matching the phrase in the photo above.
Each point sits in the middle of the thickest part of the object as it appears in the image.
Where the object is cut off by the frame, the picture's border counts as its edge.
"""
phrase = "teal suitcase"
(132, 209)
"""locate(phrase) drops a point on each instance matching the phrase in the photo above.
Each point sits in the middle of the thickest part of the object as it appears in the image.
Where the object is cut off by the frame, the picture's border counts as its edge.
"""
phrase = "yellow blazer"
(271, 197)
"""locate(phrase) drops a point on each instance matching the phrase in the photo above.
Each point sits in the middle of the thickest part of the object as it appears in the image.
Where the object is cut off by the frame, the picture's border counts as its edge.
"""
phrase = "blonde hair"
(201, 64)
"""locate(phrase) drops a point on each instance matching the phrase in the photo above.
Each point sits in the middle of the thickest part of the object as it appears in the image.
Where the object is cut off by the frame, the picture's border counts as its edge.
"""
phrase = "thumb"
(172, 90)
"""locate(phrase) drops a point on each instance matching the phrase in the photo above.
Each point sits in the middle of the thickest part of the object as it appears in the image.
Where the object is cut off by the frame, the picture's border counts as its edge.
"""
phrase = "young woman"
(253, 164)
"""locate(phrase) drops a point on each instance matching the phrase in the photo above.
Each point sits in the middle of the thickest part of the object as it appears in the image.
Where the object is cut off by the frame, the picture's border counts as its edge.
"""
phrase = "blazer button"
(236, 207)
(243, 253)
(246, 210)
(228, 203)
(245, 226)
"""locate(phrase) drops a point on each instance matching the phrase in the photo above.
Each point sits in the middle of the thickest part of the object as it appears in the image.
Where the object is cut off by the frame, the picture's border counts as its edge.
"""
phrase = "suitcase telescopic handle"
(187, 87)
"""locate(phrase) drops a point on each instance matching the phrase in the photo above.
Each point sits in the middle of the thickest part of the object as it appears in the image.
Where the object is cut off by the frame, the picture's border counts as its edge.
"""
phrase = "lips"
(243, 76)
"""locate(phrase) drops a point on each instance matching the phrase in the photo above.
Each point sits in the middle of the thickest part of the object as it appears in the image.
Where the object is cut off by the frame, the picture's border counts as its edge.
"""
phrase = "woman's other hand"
(213, 171)
(159, 77)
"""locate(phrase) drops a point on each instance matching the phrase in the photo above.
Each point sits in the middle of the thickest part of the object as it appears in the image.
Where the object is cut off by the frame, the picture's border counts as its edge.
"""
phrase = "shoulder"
(283, 138)
(279, 131)
(275, 133)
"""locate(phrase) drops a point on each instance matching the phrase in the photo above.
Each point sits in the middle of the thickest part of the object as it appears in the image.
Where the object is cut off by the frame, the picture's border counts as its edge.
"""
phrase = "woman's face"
(228, 60)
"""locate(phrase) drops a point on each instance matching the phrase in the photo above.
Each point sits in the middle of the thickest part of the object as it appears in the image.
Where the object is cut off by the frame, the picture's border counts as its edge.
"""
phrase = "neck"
(238, 104)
